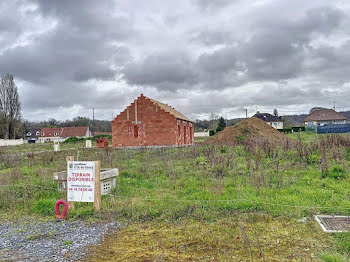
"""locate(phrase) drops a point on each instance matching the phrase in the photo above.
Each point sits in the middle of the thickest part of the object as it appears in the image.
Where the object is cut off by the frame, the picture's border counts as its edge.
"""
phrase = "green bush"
(224, 149)
(73, 140)
(337, 172)
(285, 130)
(314, 159)
(45, 207)
(298, 128)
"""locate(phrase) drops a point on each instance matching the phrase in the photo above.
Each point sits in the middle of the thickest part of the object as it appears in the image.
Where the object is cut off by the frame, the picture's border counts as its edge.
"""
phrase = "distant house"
(272, 120)
(148, 122)
(60, 134)
(201, 134)
(323, 117)
(32, 135)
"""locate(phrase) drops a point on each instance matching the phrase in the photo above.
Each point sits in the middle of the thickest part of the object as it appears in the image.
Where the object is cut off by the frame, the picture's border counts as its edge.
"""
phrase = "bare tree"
(10, 107)
(213, 118)
(275, 112)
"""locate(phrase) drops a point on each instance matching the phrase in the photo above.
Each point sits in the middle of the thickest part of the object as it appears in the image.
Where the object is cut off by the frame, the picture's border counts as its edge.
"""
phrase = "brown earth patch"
(249, 129)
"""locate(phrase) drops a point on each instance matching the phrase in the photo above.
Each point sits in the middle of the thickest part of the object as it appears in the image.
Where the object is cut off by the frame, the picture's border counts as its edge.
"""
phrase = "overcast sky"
(199, 56)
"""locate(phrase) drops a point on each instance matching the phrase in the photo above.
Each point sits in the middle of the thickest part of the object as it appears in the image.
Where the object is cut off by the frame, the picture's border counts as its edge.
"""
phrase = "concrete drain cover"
(332, 224)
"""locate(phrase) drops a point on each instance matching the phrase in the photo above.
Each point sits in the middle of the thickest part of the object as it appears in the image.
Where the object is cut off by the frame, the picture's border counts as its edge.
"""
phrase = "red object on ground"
(65, 209)
(102, 142)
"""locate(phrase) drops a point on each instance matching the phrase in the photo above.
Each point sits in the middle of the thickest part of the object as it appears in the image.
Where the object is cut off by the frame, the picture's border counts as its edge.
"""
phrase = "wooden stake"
(71, 205)
(69, 158)
(97, 202)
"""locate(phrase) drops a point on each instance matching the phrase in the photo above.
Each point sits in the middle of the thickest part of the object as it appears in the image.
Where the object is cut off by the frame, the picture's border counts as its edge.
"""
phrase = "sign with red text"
(81, 181)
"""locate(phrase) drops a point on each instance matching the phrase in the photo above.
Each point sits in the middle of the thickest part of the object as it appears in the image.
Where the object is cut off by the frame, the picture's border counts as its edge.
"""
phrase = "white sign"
(88, 144)
(81, 181)
(56, 147)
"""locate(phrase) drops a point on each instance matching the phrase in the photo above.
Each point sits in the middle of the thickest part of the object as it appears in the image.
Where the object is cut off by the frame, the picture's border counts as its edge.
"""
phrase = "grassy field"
(229, 203)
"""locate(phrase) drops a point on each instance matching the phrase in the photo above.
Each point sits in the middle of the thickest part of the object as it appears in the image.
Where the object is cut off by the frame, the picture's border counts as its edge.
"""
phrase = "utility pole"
(93, 121)
(334, 106)
(246, 113)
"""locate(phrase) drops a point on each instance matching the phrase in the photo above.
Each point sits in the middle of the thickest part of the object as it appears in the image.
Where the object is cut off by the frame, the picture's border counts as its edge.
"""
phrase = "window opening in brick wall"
(179, 130)
(136, 132)
(184, 134)
(190, 134)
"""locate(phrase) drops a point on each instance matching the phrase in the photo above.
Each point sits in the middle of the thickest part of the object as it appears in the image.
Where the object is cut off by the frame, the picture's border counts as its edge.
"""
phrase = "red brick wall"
(154, 127)
(185, 136)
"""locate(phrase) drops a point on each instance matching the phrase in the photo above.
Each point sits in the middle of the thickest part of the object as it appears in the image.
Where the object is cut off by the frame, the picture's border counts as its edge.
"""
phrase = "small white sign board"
(56, 147)
(81, 181)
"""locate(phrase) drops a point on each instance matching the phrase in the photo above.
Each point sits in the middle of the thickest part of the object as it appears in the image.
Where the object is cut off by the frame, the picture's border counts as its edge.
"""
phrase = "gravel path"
(49, 241)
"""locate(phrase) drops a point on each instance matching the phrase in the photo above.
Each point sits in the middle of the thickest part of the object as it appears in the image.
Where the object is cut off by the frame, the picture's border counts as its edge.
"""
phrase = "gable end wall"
(155, 127)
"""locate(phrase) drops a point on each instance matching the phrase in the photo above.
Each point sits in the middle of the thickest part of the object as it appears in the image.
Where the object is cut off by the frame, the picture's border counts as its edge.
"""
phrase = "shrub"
(337, 172)
(73, 140)
(314, 159)
(45, 207)
(223, 149)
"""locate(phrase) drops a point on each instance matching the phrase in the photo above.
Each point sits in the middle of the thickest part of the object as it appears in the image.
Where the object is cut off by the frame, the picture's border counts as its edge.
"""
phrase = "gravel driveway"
(30, 240)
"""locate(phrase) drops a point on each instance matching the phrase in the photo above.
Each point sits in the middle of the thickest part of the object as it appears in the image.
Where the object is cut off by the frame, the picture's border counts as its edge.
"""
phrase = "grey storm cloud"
(220, 61)
(212, 37)
(78, 49)
(104, 53)
(161, 69)
(210, 5)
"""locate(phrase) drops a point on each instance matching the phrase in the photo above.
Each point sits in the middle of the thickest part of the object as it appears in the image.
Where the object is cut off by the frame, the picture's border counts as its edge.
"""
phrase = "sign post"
(71, 205)
(83, 182)
(97, 202)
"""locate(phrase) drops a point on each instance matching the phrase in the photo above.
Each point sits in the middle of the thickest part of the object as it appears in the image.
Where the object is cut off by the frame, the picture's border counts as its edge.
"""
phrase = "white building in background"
(201, 134)
(60, 134)
(272, 120)
(11, 142)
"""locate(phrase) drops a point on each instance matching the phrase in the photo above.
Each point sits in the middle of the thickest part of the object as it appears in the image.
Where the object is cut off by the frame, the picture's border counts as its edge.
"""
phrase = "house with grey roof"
(272, 120)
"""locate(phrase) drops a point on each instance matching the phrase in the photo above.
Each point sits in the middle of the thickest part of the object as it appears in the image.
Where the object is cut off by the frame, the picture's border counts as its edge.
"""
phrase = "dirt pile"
(248, 129)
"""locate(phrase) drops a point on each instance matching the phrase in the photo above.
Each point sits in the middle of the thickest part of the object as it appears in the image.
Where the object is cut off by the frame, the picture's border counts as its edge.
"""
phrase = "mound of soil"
(248, 129)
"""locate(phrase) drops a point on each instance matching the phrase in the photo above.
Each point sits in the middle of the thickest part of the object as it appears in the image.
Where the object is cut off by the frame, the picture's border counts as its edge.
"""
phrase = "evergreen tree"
(221, 124)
